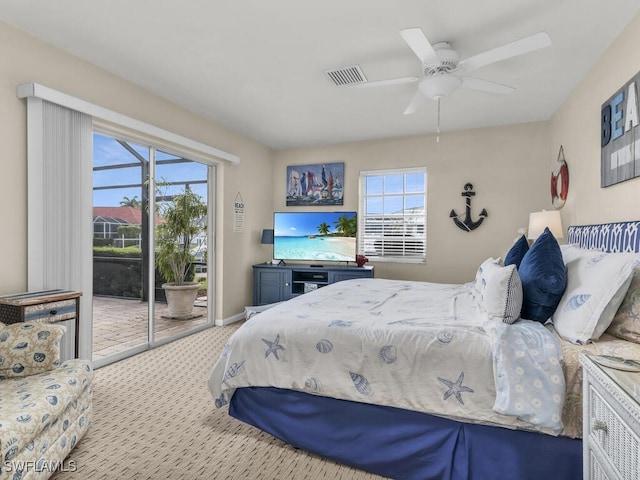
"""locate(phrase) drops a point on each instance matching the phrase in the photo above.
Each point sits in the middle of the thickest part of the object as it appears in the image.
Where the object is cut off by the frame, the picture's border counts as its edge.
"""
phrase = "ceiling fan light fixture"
(440, 61)
(439, 86)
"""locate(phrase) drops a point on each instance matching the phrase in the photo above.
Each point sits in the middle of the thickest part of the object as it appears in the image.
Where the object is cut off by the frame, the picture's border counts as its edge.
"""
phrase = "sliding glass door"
(134, 184)
(181, 199)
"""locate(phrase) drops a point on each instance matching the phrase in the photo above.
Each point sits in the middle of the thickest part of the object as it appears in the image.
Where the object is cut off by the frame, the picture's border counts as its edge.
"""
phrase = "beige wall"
(576, 126)
(508, 167)
(26, 59)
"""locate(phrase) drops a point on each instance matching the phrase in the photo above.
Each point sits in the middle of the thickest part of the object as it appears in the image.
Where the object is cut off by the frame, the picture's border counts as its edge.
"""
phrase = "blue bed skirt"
(403, 444)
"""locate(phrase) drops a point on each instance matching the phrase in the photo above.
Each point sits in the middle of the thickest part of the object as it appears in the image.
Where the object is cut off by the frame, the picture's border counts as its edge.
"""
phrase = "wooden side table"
(49, 306)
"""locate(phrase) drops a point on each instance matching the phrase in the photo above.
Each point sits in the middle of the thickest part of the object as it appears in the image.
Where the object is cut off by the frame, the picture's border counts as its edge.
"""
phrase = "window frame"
(406, 218)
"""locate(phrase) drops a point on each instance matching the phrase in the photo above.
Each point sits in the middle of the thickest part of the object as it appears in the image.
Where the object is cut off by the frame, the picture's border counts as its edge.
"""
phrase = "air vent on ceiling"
(347, 76)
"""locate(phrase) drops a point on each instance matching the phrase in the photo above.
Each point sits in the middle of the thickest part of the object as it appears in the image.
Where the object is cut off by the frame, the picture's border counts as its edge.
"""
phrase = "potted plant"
(184, 218)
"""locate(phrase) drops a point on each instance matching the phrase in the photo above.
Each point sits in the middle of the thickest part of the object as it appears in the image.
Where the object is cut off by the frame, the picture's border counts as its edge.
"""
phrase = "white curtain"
(60, 182)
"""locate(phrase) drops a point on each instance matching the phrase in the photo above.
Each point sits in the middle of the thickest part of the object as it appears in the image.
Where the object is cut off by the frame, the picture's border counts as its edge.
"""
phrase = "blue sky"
(107, 151)
(377, 185)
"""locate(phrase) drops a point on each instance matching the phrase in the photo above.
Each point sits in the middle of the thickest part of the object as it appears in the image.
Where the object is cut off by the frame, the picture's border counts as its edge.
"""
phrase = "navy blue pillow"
(517, 252)
(544, 278)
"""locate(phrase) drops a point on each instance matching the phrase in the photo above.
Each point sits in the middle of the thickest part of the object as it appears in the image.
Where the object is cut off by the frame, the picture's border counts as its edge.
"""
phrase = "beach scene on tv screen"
(315, 236)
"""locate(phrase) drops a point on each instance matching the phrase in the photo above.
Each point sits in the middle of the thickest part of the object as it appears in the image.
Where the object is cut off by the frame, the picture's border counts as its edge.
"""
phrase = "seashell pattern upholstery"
(29, 348)
(45, 404)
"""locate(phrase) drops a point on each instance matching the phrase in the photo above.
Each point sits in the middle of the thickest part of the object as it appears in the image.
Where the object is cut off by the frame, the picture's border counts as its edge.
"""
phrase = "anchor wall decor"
(467, 224)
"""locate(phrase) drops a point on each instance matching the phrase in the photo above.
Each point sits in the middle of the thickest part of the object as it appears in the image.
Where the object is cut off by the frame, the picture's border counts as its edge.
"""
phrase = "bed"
(414, 380)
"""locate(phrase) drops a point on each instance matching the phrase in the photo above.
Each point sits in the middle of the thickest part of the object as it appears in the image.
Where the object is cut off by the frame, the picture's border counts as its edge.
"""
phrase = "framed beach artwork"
(316, 184)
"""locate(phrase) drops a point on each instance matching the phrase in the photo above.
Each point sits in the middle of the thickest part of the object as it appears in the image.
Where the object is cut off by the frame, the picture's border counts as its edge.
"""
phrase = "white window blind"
(392, 214)
(59, 143)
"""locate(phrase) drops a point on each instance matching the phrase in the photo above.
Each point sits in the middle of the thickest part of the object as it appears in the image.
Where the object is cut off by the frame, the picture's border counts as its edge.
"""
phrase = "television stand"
(276, 283)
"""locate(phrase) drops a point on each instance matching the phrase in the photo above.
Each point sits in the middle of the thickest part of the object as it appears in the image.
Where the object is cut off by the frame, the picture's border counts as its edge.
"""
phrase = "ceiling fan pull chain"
(438, 127)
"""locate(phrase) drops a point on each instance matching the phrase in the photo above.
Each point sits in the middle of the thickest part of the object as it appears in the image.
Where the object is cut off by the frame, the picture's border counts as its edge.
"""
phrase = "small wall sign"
(238, 210)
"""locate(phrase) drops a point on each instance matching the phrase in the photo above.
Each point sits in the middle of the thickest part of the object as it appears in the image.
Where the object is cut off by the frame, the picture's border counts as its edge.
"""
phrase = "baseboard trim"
(223, 322)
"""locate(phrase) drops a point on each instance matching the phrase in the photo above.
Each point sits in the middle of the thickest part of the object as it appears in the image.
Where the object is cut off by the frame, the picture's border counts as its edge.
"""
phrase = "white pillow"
(596, 285)
(500, 291)
(481, 270)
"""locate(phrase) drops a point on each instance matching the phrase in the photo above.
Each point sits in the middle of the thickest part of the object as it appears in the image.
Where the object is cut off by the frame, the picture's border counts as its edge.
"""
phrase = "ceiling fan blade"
(417, 102)
(391, 81)
(519, 47)
(417, 41)
(485, 85)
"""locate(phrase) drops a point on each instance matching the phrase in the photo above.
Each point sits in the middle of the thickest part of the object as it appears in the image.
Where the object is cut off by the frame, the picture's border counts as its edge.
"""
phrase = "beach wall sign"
(620, 135)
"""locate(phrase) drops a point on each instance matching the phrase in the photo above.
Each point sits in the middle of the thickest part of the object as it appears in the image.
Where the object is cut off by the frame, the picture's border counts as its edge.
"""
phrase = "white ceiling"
(256, 66)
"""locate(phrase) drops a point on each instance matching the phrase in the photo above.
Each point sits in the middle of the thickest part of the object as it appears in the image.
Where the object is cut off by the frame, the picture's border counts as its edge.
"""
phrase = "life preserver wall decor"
(559, 181)
(467, 224)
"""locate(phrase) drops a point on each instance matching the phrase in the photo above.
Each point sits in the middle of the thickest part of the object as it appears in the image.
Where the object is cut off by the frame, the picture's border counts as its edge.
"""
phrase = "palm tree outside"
(131, 202)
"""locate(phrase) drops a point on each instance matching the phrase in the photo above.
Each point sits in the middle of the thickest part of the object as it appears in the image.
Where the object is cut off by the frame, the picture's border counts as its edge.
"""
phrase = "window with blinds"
(392, 215)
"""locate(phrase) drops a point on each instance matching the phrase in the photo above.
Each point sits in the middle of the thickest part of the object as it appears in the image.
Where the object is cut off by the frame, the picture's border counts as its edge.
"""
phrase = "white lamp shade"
(538, 221)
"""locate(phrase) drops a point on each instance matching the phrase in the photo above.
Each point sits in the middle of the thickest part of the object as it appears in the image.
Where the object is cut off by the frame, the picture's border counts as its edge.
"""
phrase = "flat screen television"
(315, 236)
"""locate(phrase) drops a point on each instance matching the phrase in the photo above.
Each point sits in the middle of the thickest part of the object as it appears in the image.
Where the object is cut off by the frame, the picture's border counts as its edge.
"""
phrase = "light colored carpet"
(154, 418)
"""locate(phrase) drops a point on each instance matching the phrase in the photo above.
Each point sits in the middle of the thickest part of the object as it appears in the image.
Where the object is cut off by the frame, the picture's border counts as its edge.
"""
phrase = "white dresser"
(611, 423)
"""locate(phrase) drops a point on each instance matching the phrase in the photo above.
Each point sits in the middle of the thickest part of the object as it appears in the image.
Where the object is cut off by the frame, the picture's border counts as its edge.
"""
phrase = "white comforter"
(415, 345)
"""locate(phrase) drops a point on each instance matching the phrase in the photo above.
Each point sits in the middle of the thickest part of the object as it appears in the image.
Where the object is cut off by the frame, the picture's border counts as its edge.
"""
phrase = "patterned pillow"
(597, 283)
(500, 291)
(517, 252)
(480, 273)
(29, 348)
(626, 322)
(544, 278)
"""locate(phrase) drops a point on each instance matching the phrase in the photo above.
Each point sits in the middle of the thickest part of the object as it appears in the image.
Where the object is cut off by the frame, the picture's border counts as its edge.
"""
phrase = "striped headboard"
(609, 237)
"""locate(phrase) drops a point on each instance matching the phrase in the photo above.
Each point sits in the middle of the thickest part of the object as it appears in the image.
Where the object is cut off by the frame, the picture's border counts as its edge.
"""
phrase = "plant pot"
(180, 299)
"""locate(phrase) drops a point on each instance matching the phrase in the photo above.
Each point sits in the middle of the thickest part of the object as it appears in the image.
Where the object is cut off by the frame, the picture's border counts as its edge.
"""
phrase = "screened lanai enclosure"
(132, 182)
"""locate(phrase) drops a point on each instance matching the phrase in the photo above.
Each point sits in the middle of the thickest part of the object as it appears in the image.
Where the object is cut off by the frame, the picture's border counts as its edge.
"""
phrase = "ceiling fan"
(440, 61)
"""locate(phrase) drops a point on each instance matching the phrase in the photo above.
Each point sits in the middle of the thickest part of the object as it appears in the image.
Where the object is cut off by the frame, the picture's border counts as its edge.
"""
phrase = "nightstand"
(611, 422)
(52, 306)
